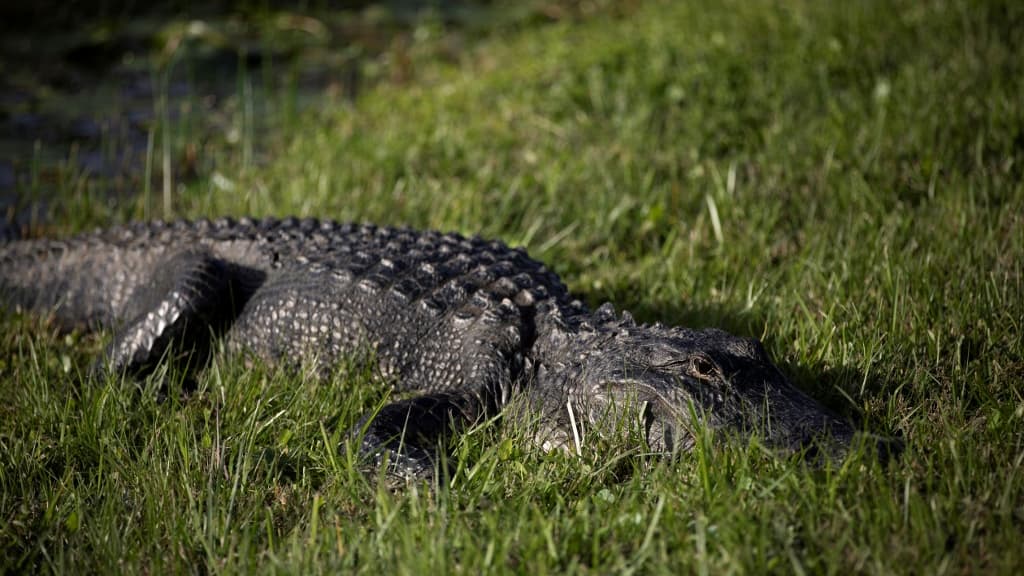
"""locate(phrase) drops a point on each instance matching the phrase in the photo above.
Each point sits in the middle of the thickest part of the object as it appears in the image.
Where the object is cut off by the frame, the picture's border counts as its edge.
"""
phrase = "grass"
(842, 180)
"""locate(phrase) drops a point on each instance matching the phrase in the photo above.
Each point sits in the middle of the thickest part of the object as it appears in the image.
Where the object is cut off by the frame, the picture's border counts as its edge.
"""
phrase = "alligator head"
(669, 383)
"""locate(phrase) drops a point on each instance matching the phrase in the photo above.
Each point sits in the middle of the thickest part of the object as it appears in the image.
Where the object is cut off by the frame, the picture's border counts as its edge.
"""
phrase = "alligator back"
(438, 310)
(90, 279)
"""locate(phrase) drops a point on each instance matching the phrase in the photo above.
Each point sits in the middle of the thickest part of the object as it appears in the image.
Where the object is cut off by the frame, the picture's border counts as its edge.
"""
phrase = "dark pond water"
(101, 99)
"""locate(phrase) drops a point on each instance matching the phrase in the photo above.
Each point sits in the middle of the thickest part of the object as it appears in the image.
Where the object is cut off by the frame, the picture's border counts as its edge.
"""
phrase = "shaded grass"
(843, 181)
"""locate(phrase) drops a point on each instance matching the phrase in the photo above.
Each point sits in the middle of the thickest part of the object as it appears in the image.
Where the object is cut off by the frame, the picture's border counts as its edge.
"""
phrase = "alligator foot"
(405, 437)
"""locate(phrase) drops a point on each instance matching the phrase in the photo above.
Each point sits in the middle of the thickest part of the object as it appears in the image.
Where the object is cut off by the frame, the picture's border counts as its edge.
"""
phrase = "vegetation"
(843, 180)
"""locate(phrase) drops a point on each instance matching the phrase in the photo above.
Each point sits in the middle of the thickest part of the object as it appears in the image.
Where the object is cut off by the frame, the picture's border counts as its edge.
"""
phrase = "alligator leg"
(407, 433)
(192, 297)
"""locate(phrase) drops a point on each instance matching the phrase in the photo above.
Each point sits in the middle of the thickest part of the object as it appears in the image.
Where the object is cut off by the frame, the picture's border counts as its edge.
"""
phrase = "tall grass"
(842, 180)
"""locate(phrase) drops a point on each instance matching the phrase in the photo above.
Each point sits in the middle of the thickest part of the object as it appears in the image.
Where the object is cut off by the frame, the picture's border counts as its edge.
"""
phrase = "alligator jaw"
(672, 412)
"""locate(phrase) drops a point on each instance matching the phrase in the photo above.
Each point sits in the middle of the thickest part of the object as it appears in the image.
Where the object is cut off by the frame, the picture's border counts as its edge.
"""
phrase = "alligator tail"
(83, 282)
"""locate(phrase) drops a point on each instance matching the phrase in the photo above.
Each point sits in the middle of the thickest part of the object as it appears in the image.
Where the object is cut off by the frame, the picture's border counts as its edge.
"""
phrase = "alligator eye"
(702, 367)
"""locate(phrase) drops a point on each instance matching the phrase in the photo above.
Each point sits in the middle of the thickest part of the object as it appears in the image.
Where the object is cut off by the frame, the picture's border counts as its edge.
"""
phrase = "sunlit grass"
(843, 181)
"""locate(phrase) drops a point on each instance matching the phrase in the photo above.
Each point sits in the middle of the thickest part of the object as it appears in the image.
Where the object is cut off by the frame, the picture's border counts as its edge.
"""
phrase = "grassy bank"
(843, 181)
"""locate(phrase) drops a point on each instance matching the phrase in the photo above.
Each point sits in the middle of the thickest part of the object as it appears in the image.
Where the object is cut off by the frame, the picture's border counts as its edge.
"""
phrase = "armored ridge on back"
(461, 327)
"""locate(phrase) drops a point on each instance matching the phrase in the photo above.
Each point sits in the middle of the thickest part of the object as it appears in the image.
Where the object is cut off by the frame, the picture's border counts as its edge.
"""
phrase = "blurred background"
(122, 91)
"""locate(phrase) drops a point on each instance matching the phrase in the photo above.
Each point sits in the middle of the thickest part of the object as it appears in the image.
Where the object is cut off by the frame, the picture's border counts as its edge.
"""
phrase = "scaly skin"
(459, 326)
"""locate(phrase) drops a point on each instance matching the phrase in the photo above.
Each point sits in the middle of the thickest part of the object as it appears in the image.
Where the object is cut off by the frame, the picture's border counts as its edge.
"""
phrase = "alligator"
(463, 329)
